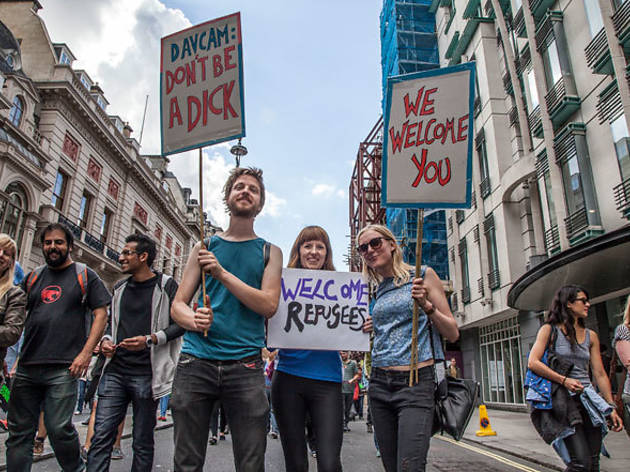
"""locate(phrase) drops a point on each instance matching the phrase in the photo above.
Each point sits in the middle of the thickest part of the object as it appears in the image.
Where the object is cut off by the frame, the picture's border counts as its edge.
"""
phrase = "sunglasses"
(374, 243)
(127, 252)
(583, 300)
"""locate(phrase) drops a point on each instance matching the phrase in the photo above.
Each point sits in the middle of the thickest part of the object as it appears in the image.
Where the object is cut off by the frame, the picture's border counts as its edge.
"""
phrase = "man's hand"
(137, 343)
(80, 364)
(203, 319)
(368, 326)
(209, 264)
(108, 348)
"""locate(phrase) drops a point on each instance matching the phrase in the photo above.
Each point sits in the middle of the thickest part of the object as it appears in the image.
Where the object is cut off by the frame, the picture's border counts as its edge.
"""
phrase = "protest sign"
(427, 148)
(201, 85)
(320, 309)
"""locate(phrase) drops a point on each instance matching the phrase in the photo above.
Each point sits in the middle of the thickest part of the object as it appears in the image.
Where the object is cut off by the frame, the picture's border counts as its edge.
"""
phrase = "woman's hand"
(420, 294)
(617, 423)
(573, 385)
(367, 326)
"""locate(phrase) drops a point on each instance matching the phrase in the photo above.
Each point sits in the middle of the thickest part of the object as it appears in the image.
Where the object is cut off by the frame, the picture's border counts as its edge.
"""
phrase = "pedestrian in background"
(579, 346)
(270, 358)
(350, 377)
(56, 351)
(621, 343)
(402, 415)
(453, 370)
(308, 382)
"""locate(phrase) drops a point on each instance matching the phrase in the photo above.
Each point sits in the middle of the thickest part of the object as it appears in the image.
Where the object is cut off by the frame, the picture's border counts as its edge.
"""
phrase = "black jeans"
(293, 397)
(402, 417)
(240, 387)
(585, 445)
(115, 391)
(347, 407)
(218, 421)
(52, 389)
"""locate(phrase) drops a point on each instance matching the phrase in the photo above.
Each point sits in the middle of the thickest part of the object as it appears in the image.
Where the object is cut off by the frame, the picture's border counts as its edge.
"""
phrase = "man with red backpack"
(57, 349)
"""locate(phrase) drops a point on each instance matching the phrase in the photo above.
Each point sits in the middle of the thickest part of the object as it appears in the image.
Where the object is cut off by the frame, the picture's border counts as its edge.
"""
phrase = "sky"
(312, 93)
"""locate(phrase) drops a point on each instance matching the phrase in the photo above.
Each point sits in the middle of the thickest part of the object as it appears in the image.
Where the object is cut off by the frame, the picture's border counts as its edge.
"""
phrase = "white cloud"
(327, 191)
(273, 205)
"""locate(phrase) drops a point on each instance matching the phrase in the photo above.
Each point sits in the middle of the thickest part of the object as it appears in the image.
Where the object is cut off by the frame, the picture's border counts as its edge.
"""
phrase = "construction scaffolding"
(365, 190)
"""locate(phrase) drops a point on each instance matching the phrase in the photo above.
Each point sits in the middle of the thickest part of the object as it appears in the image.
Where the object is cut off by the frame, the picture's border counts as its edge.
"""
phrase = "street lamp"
(238, 150)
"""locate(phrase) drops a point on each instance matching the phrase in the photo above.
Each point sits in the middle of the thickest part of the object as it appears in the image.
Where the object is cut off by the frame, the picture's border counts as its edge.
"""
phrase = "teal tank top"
(236, 331)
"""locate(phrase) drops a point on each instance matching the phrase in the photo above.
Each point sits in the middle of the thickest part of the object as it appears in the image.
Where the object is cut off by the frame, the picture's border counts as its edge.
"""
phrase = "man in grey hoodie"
(142, 345)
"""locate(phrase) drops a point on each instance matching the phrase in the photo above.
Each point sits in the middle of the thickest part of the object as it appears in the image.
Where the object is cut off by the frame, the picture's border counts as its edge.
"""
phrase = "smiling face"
(312, 254)
(55, 248)
(377, 252)
(7, 257)
(244, 200)
(129, 259)
(580, 306)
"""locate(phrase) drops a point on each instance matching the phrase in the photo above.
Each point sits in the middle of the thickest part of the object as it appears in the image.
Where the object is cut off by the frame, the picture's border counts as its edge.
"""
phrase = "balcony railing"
(466, 295)
(621, 22)
(485, 188)
(480, 286)
(552, 239)
(89, 239)
(74, 229)
(539, 7)
(518, 23)
(535, 122)
(622, 198)
(598, 55)
(507, 83)
(459, 216)
(576, 223)
(477, 106)
(494, 280)
(561, 105)
(513, 115)
(93, 242)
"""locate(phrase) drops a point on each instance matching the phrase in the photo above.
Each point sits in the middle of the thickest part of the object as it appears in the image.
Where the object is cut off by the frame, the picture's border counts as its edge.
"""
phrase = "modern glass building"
(409, 44)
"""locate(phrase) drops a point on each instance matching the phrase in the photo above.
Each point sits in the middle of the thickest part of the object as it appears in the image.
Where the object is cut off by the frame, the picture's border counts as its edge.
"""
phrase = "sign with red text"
(427, 146)
(201, 85)
(320, 309)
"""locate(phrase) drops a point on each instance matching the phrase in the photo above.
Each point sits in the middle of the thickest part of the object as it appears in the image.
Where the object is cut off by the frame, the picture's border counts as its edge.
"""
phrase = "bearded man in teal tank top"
(221, 355)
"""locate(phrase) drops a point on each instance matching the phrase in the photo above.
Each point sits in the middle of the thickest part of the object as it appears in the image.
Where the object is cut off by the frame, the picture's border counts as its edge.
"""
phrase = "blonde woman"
(402, 415)
(12, 298)
(621, 343)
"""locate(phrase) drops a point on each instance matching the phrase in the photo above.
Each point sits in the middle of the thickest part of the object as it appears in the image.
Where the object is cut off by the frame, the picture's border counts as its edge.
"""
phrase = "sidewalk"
(82, 429)
(517, 436)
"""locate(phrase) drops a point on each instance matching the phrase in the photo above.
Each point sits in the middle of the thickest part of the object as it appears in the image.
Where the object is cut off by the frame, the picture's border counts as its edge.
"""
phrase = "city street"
(358, 456)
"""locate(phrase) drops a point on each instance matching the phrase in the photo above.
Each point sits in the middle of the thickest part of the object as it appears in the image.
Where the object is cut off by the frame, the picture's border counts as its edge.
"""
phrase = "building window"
(493, 257)
(463, 260)
(84, 209)
(17, 110)
(516, 5)
(500, 359)
(106, 222)
(13, 210)
(593, 16)
(551, 61)
(113, 188)
(140, 213)
(531, 92)
(484, 171)
(621, 139)
(86, 83)
(572, 182)
(64, 58)
(547, 207)
(59, 190)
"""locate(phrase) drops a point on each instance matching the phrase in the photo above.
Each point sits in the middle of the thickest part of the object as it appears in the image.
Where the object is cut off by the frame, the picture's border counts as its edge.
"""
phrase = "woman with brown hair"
(309, 382)
(12, 298)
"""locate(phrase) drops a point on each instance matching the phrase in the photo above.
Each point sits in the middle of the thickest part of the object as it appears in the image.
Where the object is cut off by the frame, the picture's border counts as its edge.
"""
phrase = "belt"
(247, 359)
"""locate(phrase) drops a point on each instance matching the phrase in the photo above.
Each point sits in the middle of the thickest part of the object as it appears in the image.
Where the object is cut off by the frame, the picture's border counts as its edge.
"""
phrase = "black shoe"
(213, 440)
(346, 429)
(370, 429)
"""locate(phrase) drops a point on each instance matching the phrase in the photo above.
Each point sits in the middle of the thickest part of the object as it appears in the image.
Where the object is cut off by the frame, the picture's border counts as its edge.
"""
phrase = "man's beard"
(242, 213)
(63, 257)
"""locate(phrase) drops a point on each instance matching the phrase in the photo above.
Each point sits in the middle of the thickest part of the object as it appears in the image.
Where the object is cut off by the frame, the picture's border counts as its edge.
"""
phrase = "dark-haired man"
(142, 345)
(243, 284)
(55, 351)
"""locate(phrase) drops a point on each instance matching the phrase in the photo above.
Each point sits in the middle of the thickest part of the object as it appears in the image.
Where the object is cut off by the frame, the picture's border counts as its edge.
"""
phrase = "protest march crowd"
(203, 343)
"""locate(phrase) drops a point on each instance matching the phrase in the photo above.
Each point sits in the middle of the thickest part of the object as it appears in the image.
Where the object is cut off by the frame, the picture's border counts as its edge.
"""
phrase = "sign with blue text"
(427, 146)
(320, 309)
(201, 85)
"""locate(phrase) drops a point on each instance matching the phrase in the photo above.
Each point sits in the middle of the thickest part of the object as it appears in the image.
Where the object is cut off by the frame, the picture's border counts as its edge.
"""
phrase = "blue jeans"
(272, 425)
(164, 405)
(240, 387)
(81, 401)
(403, 417)
(53, 387)
(115, 391)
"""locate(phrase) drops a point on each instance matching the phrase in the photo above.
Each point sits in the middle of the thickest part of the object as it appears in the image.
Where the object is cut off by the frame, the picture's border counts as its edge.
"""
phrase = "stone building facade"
(63, 158)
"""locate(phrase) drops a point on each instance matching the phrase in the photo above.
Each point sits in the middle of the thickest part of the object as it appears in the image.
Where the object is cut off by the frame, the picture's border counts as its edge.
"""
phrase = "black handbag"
(455, 400)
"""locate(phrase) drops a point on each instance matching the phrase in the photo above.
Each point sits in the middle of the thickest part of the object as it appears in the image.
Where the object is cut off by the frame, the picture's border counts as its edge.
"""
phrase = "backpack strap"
(82, 277)
(266, 252)
(33, 276)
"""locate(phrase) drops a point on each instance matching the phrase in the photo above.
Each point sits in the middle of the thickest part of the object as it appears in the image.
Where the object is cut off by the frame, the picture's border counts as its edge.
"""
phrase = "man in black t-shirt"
(55, 351)
(142, 344)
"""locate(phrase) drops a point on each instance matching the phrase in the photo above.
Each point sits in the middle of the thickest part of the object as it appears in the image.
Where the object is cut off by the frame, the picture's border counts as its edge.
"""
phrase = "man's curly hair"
(235, 174)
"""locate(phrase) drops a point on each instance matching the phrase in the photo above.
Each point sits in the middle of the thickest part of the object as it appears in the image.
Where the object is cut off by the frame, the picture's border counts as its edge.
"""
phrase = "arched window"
(13, 212)
(17, 110)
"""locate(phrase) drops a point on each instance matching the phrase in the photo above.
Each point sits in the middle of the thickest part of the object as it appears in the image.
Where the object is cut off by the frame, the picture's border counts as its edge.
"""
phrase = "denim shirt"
(392, 314)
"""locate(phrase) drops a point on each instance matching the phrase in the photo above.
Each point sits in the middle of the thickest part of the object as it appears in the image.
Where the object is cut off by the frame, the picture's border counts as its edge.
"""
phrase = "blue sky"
(312, 93)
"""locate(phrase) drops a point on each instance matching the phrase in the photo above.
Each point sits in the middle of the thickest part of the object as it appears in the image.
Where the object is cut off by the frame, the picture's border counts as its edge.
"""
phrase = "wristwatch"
(149, 341)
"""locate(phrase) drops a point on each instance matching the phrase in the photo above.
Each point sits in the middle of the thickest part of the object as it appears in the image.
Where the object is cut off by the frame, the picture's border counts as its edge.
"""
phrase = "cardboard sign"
(427, 148)
(201, 85)
(320, 309)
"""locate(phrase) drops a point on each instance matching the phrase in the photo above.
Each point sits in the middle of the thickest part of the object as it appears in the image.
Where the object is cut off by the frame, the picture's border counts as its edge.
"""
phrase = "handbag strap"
(611, 374)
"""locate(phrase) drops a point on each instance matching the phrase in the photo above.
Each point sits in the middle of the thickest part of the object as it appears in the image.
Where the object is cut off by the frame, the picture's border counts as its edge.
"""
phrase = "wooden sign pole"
(413, 364)
(202, 232)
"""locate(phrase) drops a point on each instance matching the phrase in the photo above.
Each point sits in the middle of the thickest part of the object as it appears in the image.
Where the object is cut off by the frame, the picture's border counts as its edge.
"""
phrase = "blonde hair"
(400, 268)
(6, 279)
(626, 313)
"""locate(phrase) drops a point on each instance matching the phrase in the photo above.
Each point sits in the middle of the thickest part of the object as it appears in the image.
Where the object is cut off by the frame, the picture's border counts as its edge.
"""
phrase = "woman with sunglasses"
(12, 298)
(309, 382)
(402, 415)
(574, 343)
